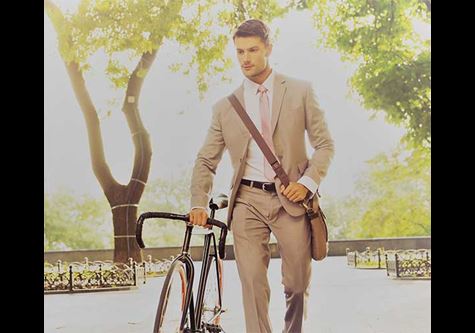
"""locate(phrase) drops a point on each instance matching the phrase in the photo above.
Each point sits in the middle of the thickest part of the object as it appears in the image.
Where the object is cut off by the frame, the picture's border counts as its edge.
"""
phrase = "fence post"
(70, 277)
(60, 268)
(397, 264)
(145, 272)
(134, 267)
(100, 275)
(387, 266)
(379, 258)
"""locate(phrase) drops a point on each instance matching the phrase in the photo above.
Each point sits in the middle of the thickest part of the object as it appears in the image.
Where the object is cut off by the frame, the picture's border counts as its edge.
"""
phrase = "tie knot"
(261, 89)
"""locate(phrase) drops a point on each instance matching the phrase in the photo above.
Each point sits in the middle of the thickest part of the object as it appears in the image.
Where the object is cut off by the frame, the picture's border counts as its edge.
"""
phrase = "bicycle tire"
(172, 300)
(211, 302)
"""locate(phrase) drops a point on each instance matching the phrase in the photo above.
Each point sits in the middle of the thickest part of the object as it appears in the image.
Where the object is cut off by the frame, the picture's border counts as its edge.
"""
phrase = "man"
(282, 108)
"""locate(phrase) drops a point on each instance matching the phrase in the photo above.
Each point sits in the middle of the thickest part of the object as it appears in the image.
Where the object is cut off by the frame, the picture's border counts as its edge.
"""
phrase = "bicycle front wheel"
(213, 293)
(172, 300)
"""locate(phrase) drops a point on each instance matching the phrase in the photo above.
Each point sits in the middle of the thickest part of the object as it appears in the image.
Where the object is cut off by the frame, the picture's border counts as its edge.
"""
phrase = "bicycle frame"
(195, 309)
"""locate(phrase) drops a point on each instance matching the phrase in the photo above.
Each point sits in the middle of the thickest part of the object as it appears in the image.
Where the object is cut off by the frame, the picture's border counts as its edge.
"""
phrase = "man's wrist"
(310, 185)
(199, 207)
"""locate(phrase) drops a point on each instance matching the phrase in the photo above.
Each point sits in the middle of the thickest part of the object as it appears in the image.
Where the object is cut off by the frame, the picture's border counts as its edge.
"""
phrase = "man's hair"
(251, 28)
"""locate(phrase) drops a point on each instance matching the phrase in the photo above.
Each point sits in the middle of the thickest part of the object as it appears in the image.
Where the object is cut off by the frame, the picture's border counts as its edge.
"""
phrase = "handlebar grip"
(138, 231)
(222, 243)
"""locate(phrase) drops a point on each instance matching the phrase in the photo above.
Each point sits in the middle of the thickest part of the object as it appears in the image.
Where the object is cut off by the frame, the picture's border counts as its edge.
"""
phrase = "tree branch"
(140, 137)
(96, 149)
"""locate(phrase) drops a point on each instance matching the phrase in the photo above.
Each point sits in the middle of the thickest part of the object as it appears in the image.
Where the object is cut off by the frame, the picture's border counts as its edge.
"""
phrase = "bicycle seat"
(218, 202)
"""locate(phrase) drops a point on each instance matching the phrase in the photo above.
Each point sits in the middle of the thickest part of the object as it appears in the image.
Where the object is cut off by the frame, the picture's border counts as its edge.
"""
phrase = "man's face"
(252, 54)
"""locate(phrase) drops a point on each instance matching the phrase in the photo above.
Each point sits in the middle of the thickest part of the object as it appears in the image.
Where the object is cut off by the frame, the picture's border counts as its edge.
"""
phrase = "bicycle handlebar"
(185, 218)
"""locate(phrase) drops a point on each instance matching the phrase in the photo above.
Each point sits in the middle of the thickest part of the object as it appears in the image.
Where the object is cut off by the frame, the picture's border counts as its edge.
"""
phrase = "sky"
(177, 119)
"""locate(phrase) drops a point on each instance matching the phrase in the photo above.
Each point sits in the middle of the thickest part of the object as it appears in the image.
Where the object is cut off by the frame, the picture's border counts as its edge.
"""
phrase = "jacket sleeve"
(207, 162)
(319, 137)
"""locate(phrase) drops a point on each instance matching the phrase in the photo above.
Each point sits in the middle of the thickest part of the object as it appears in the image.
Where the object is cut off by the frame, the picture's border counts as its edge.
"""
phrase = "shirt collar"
(252, 86)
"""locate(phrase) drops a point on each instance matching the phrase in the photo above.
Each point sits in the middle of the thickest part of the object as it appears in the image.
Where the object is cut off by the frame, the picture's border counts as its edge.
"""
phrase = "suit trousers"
(256, 214)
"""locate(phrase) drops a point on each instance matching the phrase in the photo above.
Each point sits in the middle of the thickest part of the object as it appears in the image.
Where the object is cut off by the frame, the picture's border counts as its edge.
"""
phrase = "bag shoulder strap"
(276, 166)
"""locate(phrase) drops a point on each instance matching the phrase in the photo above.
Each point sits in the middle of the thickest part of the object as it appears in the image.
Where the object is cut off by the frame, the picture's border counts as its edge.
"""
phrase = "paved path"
(342, 300)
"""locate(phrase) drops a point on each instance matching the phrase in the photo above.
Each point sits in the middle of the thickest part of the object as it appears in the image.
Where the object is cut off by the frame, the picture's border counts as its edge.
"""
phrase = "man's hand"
(295, 192)
(199, 217)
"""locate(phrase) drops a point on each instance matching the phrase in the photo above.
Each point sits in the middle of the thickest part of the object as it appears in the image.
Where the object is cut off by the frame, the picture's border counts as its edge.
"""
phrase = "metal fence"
(409, 264)
(100, 275)
(367, 259)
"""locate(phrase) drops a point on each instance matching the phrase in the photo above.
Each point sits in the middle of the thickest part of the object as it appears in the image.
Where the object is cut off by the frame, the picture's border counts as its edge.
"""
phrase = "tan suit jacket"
(294, 110)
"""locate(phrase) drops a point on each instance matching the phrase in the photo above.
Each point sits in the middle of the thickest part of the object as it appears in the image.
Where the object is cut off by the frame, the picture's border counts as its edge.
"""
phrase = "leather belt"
(267, 187)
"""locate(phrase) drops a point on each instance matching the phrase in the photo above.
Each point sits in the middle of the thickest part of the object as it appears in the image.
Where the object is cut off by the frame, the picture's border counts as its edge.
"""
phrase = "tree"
(138, 29)
(394, 73)
(393, 199)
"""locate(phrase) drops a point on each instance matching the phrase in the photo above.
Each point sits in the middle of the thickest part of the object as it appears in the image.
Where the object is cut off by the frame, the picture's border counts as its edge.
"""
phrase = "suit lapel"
(279, 91)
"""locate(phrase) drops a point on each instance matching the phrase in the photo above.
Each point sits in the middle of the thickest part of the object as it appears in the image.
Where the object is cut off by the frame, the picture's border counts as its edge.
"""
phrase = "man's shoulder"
(221, 104)
(293, 82)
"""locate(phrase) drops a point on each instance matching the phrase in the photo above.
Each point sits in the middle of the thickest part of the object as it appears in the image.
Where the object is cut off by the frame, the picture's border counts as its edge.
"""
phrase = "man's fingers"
(202, 219)
(198, 217)
(293, 197)
(292, 191)
(289, 189)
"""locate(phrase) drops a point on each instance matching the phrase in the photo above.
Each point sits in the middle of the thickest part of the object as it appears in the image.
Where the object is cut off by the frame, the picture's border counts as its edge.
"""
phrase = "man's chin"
(249, 74)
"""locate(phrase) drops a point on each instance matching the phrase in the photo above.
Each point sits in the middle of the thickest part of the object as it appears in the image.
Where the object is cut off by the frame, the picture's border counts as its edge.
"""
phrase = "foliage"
(74, 223)
(394, 73)
(392, 199)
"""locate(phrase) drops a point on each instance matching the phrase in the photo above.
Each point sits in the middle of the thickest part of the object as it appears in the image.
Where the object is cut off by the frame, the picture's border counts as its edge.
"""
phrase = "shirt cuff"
(309, 183)
(206, 209)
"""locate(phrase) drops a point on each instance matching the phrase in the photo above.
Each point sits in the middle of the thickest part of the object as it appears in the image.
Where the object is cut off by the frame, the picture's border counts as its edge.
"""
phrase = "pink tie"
(265, 127)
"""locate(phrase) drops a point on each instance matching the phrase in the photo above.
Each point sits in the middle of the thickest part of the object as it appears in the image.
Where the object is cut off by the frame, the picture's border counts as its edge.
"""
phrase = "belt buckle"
(264, 187)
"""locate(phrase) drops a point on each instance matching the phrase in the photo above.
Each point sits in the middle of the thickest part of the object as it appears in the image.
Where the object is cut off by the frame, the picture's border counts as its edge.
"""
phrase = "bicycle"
(176, 310)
